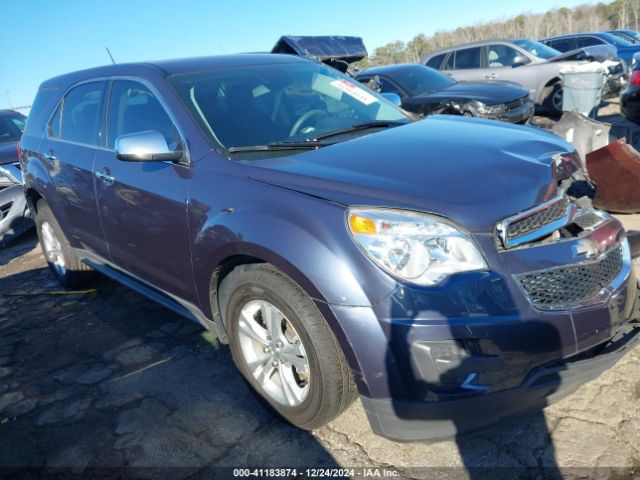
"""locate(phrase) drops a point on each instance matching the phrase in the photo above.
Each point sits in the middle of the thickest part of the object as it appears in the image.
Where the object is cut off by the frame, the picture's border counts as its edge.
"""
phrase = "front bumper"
(406, 421)
(14, 214)
(440, 361)
(520, 115)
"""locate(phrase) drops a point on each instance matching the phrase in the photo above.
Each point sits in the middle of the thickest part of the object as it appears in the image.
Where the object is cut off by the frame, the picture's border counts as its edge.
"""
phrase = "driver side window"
(133, 108)
(501, 56)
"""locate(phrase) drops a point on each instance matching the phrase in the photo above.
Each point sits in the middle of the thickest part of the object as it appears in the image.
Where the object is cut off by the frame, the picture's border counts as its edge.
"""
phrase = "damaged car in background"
(14, 213)
(426, 91)
(531, 64)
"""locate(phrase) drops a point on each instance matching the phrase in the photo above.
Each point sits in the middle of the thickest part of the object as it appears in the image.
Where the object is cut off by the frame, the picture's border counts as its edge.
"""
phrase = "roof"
(578, 34)
(382, 69)
(472, 44)
(174, 67)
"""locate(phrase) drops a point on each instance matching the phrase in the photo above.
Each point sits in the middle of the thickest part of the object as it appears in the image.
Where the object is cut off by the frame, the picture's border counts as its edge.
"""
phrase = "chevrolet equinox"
(436, 268)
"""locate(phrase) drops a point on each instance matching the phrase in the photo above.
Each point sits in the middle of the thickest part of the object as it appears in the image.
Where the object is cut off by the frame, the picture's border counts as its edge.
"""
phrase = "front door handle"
(490, 76)
(102, 175)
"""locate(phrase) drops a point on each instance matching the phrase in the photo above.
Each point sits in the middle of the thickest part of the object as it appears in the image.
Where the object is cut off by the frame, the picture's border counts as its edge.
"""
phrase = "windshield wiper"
(278, 146)
(360, 126)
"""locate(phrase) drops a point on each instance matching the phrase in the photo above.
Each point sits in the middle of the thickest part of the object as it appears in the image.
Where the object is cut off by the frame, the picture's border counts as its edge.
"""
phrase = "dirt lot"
(102, 380)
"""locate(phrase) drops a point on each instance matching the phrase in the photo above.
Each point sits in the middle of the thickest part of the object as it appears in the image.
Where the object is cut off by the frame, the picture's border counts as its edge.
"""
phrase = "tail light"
(635, 78)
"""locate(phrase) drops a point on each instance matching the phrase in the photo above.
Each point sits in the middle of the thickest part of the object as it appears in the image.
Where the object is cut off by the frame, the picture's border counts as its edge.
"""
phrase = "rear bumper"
(411, 420)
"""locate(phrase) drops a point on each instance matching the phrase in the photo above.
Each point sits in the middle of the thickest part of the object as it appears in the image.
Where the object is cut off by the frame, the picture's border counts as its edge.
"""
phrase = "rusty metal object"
(615, 169)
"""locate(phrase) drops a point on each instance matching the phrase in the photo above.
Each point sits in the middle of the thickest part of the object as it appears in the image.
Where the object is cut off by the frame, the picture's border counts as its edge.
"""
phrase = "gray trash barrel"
(581, 91)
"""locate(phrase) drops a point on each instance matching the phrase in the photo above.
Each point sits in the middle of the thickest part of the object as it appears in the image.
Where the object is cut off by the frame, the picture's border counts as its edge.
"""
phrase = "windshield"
(613, 40)
(290, 102)
(628, 35)
(11, 127)
(419, 79)
(536, 48)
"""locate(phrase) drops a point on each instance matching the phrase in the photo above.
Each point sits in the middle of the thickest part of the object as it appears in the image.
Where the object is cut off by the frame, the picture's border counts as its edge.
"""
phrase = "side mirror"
(519, 61)
(393, 98)
(146, 146)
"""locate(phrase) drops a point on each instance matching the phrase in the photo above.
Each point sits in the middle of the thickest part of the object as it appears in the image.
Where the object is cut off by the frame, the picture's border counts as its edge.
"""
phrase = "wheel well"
(32, 197)
(221, 271)
(552, 82)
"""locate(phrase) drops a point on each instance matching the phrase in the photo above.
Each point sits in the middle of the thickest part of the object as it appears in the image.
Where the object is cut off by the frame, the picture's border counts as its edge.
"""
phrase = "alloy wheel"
(274, 353)
(52, 248)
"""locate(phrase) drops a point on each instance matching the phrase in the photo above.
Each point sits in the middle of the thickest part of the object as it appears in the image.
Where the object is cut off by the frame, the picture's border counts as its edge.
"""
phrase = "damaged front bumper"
(519, 114)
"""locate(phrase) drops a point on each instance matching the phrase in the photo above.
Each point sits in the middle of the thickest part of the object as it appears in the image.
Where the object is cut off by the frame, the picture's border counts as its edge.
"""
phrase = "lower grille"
(565, 286)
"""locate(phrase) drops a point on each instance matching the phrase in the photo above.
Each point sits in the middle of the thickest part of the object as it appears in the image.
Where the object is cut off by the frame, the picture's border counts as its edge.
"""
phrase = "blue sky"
(41, 39)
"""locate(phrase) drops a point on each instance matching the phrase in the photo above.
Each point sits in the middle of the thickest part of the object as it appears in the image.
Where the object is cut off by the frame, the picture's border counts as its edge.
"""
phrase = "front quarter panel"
(305, 237)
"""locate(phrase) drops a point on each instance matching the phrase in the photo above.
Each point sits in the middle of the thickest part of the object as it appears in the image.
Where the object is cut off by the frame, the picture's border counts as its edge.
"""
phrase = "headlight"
(416, 247)
(478, 107)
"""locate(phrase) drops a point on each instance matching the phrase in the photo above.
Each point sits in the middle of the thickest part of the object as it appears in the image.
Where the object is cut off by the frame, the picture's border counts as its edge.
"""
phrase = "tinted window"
(78, 117)
(450, 64)
(436, 61)
(418, 79)
(133, 108)
(467, 58)
(388, 87)
(589, 41)
(54, 126)
(563, 44)
(501, 56)
(11, 128)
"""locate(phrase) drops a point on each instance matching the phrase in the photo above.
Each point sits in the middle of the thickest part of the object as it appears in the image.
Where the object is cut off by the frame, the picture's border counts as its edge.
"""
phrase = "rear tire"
(61, 259)
(283, 346)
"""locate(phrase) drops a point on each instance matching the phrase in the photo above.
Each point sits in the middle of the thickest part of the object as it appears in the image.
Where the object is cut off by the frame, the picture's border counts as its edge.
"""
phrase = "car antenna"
(110, 56)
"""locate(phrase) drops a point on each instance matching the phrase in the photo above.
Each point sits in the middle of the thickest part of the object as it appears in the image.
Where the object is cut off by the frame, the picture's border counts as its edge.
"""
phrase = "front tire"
(283, 346)
(61, 259)
(553, 101)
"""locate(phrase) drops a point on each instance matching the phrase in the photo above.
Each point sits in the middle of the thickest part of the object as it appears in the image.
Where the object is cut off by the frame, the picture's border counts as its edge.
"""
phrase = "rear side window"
(436, 62)
(563, 44)
(588, 41)
(465, 59)
(77, 118)
(133, 108)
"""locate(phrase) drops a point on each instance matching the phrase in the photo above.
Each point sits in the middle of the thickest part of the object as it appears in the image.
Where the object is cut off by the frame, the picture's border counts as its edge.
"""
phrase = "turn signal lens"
(362, 225)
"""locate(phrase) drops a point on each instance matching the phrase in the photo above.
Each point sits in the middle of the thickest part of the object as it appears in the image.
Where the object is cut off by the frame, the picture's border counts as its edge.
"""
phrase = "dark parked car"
(630, 96)
(565, 43)
(435, 267)
(630, 36)
(424, 90)
(14, 213)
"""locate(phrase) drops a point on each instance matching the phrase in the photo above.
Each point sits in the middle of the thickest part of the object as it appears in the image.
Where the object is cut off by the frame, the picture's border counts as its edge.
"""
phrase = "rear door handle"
(101, 175)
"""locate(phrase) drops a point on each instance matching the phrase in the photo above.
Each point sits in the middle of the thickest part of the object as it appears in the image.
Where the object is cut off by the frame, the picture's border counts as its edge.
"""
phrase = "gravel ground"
(97, 381)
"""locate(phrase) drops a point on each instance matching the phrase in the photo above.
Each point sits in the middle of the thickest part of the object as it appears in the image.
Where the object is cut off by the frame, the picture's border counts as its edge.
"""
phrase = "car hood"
(490, 93)
(475, 172)
(8, 152)
(598, 53)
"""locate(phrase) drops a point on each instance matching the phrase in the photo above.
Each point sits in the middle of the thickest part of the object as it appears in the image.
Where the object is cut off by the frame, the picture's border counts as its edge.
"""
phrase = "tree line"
(583, 18)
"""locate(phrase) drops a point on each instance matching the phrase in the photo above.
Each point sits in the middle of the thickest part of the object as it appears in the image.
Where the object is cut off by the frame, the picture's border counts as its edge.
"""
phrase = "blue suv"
(566, 43)
(436, 268)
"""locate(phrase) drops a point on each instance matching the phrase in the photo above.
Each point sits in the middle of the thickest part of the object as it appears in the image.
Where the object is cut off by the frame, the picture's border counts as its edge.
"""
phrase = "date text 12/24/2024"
(314, 472)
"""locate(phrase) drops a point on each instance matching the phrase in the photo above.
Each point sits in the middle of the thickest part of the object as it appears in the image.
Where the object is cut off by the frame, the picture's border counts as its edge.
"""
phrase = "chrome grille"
(536, 223)
(564, 286)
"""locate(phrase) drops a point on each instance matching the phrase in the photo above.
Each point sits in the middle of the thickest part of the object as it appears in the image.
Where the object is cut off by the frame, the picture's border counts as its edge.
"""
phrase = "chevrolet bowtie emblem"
(585, 248)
